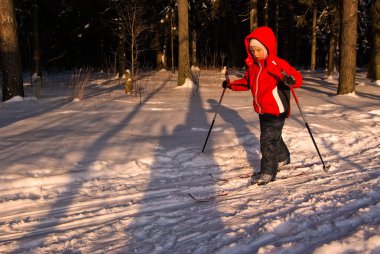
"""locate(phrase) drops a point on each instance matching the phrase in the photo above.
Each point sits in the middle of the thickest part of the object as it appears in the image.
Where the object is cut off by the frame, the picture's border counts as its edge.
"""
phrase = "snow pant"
(272, 147)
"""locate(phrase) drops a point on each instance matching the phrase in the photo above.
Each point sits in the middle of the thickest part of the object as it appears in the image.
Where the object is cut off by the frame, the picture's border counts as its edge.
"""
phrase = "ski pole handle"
(227, 76)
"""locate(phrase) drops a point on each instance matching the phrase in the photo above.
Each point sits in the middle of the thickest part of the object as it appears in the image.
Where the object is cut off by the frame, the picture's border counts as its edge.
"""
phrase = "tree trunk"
(348, 40)
(277, 17)
(253, 23)
(194, 48)
(331, 54)
(333, 40)
(160, 59)
(172, 40)
(36, 64)
(121, 49)
(183, 42)
(10, 52)
(313, 39)
(374, 64)
(266, 12)
(133, 47)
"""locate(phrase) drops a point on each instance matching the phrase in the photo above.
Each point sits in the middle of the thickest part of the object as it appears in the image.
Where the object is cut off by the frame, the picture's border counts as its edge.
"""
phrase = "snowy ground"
(111, 173)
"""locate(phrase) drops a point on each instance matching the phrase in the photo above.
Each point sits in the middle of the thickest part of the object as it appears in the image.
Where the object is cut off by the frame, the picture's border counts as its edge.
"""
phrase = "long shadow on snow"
(58, 212)
(36, 108)
(318, 88)
(167, 218)
(31, 110)
(246, 138)
(45, 128)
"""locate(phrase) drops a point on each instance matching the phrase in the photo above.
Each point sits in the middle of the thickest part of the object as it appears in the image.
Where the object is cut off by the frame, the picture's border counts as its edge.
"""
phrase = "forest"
(115, 138)
(116, 35)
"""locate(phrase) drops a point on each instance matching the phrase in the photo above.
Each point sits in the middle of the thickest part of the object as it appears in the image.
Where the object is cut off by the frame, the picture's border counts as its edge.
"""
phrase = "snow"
(368, 82)
(111, 173)
(19, 99)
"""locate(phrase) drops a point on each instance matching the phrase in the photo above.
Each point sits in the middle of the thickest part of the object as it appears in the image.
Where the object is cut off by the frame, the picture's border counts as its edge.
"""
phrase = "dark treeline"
(87, 32)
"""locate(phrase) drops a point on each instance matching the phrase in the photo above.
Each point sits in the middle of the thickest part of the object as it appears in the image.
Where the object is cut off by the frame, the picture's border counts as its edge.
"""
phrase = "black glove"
(289, 80)
(226, 84)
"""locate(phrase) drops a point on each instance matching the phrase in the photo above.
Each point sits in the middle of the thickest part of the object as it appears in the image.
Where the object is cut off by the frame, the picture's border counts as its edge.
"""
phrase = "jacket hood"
(266, 36)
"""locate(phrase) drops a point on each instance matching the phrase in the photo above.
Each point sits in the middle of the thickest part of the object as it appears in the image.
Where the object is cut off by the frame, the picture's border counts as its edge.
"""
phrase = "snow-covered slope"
(111, 174)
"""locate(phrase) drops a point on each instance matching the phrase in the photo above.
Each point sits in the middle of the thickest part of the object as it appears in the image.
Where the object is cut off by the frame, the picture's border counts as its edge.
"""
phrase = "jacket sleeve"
(291, 71)
(240, 84)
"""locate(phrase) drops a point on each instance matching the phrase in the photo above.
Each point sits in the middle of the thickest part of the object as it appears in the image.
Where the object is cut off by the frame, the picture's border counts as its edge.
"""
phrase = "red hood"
(266, 36)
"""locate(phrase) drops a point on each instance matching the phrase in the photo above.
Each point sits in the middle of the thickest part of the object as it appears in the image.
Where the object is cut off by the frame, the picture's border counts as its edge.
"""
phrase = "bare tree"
(131, 26)
(348, 40)
(374, 64)
(135, 27)
(183, 42)
(10, 52)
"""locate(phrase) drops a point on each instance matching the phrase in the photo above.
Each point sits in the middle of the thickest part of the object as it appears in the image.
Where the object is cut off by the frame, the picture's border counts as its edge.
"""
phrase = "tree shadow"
(247, 139)
(57, 220)
(13, 108)
(30, 108)
(332, 89)
(172, 222)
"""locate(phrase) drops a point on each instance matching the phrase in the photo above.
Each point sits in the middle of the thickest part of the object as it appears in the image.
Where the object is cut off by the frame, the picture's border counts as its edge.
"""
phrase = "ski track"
(142, 206)
(117, 206)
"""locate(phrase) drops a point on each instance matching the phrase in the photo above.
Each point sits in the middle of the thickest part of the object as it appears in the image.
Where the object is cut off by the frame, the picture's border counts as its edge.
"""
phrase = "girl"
(268, 77)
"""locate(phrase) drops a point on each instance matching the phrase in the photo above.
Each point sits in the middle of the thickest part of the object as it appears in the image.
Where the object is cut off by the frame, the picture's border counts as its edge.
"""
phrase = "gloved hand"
(289, 80)
(277, 71)
(226, 84)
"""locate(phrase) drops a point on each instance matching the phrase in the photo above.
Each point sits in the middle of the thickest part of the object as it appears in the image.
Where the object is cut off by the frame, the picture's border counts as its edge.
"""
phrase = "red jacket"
(264, 77)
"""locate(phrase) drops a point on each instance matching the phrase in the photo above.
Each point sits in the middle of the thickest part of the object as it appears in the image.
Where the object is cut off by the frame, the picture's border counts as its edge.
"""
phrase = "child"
(269, 78)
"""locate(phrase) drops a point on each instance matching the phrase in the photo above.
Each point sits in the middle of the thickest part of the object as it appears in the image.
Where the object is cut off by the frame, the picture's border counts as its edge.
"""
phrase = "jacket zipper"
(257, 86)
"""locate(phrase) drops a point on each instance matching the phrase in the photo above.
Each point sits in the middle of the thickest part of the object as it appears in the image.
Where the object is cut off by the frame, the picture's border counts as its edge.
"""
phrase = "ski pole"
(325, 168)
(216, 112)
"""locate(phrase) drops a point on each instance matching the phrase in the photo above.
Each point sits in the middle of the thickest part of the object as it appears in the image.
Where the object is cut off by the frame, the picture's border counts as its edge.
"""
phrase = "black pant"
(273, 149)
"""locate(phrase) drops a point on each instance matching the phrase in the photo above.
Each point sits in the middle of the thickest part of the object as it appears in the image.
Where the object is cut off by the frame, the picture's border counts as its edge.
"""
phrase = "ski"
(248, 175)
(209, 198)
(218, 179)
(249, 184)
